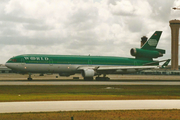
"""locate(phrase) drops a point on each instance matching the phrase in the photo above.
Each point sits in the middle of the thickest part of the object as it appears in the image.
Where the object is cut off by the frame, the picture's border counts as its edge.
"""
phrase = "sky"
(83, 27)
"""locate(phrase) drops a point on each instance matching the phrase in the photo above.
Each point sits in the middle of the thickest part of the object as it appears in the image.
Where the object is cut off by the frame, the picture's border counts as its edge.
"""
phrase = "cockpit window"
(12, 60)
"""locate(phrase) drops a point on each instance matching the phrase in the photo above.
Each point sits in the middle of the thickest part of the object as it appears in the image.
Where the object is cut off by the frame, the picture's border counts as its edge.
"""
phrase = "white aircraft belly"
(43, 68)
(54, 68)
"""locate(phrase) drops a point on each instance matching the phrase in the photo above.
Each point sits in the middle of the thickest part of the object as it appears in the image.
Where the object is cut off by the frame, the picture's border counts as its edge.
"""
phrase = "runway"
(121, 82)
(49, 106)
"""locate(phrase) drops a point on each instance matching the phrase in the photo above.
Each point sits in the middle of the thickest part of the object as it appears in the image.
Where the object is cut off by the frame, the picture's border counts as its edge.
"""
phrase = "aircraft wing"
(117, 69)
(126, 67)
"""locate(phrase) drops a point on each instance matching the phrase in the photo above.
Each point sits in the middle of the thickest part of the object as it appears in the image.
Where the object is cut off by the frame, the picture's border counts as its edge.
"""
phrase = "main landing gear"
(29, 78)
(104, 78)
(88, 78)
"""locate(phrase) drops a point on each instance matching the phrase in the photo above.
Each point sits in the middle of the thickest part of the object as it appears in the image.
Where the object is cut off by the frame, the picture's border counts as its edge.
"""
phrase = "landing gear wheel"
(88, 78)
(29, 79)
(102, 78)
(107, 78)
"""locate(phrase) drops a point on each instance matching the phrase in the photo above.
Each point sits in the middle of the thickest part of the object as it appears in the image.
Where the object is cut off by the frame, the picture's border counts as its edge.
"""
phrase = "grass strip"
(97, 115)
(81, 92)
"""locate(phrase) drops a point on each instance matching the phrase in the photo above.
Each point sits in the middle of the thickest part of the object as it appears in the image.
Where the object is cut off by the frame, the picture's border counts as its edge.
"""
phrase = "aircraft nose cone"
(7, 65)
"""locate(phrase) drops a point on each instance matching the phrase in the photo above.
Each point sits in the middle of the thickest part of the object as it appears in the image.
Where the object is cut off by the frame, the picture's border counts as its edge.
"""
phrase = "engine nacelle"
(143, 53)
(88, 73)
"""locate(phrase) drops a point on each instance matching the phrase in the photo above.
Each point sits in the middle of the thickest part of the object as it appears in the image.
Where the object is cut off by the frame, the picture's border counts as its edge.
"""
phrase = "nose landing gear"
(29, 78)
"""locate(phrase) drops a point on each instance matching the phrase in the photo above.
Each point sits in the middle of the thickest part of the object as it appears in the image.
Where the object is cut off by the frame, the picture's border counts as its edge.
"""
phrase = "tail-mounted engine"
(148, 49)
(147, 54)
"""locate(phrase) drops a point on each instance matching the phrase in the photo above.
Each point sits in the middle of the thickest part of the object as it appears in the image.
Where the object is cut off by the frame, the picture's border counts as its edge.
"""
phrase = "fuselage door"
(51, 62)
(22, 61)
(50, 68)
(89, 62)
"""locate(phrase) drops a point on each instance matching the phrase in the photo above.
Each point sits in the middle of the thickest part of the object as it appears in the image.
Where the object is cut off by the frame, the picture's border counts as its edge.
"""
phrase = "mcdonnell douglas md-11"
(90, 66)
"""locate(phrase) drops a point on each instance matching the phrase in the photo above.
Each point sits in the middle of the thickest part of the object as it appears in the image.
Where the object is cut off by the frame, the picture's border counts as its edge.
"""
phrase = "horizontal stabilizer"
(155, 62)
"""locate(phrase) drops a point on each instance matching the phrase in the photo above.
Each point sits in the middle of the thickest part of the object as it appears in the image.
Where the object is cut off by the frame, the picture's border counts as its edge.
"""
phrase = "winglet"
(166, 63)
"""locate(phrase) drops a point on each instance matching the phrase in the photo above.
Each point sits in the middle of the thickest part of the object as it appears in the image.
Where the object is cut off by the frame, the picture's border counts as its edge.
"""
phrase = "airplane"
(90, 66)
(176, 8)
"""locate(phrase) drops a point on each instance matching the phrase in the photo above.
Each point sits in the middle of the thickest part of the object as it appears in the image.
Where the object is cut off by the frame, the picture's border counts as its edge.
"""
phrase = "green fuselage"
(66, 65)
(77, 60)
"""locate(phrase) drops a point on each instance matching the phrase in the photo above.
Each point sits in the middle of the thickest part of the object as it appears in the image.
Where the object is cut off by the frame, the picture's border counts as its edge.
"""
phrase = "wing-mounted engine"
(88, 73)
(147, 54)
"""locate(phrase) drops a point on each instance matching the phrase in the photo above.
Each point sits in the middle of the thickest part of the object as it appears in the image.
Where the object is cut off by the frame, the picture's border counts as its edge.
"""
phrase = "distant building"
(4, 69)
(175, 25)
(163, 71)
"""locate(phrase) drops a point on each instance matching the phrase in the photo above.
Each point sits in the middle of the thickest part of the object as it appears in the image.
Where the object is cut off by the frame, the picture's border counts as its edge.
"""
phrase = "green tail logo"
(153, 41)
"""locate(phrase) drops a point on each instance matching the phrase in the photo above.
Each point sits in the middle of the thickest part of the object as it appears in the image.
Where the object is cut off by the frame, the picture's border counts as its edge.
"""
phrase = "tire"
(29, 79)
(102, 78)
(88, 78)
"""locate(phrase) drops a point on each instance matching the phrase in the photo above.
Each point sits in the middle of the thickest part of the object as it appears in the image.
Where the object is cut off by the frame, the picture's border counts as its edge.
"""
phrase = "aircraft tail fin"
(152, 42)
(149, 51)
